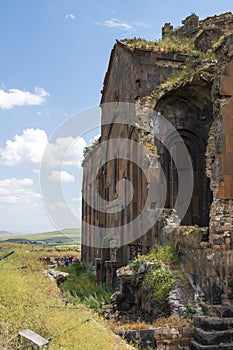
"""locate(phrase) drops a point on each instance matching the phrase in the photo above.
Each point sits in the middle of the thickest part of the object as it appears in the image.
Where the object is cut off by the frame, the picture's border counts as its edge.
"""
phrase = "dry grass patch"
(172, 321)
(28, 299)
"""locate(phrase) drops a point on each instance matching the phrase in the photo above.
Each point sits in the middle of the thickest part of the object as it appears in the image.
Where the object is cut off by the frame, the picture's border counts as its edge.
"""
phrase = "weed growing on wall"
(159, 278)
(168, 44)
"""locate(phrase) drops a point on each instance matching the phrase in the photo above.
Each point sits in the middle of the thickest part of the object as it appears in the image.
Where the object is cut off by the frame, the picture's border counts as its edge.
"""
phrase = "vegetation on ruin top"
(169, 44)
(198, 63)
(197, 60)
(87, 150)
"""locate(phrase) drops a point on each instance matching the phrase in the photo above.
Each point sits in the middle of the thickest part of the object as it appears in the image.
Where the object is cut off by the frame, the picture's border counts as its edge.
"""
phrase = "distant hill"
(63, 237)
(6, 234)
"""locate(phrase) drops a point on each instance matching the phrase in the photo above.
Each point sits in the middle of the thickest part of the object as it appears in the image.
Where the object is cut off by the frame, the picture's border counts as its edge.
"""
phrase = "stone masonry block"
(228, 165)
(229, 143)
(228, 184)
(227, 120)
(226, 85)
(229, 67)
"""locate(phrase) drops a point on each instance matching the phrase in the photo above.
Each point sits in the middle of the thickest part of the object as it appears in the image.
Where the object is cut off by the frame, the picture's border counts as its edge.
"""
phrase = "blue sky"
(54, 55)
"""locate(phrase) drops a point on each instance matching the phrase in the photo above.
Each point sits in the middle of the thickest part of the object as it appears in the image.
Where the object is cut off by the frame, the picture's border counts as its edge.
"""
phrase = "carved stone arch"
(198, 209)
(133, 133)
(111, 125)
(189, 109)
(193, 100)
(122, 129)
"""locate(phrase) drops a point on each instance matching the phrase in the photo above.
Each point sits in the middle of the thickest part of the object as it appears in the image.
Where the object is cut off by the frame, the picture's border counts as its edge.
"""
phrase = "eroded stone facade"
(199, 104)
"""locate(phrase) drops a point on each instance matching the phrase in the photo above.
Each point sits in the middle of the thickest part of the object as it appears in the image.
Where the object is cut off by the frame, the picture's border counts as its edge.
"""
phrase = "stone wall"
(134, 73)
(89, 214)
(209, 270)
(192, 25)
(160, 338)
(173, 337)
(221, 225)
(220, 157)
(131, 74)
(200, 107)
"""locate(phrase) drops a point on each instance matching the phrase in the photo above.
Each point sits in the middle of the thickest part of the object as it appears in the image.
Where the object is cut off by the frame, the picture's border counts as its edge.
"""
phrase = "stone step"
(225, 311)
(142, 337)
(214, 337)
(213, 323)
(195, 346)
(210, 310)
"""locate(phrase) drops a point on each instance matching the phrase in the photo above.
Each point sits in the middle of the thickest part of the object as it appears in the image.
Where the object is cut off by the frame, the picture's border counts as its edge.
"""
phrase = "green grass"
(81, 287)
(28, 299)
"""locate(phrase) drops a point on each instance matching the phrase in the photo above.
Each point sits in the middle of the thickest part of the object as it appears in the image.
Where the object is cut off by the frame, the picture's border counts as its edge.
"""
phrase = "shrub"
(156, 256)
(159, 278)
(88, 149)
(160, 281)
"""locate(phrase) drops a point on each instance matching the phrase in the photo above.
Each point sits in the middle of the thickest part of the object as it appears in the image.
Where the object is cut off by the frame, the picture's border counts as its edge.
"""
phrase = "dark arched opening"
(189, 110)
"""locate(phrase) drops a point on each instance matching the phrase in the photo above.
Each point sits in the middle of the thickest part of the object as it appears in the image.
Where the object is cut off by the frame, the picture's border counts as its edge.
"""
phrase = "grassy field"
(67, 236)
(29, 299)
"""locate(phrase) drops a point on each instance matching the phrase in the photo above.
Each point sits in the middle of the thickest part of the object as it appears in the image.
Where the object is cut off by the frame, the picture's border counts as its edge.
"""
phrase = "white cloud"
(32, 147)
(116, 23)
(77, 199)
(36, 171)
(140, 24)
(70, 16)
(26, 148)
(94, 139)
(21, 206)
(58, 205)
(16, 97)
(22, 209)
(65, 151)
(97, 137)
(17, 191)
(61, 176)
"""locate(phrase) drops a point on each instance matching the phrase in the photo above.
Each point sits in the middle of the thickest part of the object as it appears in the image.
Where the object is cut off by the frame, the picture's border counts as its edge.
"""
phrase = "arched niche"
(189, 110)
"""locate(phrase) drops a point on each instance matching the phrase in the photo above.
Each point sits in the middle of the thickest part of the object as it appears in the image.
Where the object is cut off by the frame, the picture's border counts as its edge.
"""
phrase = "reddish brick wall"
(221, 152)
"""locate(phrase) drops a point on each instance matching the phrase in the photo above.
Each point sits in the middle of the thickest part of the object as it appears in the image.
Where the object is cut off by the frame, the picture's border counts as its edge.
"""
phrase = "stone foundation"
(209, 269)
(161, 338)
(214, 332)
(221, 224)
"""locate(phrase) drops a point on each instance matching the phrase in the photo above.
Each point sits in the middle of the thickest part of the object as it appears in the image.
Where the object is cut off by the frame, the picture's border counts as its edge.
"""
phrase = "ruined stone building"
(186, 78)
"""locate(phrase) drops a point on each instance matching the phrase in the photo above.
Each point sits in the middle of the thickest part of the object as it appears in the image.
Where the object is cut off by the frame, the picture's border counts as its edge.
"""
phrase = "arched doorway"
(189, 110)
(198, 209)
